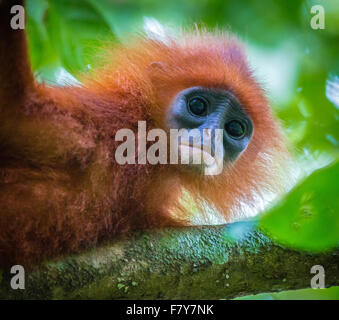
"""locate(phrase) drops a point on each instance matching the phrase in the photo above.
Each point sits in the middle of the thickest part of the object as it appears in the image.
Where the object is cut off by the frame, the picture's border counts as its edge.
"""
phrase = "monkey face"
(204, 112)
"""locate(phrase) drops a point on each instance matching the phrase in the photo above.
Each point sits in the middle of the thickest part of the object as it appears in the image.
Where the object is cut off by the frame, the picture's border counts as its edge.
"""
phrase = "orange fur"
(60, 187)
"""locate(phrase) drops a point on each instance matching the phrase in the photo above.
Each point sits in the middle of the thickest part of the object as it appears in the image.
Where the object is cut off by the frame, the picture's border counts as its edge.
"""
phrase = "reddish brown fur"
(60, 188)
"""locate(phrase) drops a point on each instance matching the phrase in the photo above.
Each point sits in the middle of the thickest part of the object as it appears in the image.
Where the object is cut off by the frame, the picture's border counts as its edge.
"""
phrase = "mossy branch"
(211, 262)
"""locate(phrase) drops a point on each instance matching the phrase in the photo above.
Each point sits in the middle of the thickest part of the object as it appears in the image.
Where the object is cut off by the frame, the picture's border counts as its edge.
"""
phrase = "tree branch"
(192, 263)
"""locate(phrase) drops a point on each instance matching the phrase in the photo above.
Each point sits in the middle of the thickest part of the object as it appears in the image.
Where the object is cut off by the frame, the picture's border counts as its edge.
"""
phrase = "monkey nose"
(207, 132)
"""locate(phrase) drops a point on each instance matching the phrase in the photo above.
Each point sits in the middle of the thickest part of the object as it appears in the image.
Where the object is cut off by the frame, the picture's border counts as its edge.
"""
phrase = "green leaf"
(65, 34)
(308, 217)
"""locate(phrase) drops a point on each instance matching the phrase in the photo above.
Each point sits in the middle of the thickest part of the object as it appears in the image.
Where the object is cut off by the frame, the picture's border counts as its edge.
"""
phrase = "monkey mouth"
(195, 154)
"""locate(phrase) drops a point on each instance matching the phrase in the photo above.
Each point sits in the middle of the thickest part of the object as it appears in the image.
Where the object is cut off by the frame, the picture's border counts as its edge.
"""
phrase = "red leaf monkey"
(61, 188)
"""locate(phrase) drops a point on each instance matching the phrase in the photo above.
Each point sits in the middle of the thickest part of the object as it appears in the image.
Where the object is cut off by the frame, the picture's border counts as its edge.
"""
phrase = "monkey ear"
(156, 69)
(157, 65)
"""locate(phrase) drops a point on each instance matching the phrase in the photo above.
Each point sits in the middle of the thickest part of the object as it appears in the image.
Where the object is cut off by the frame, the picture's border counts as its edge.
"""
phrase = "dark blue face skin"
(201, 108)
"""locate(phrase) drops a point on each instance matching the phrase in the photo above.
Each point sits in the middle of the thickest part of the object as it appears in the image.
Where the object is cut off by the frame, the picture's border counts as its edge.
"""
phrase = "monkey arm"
(190, 263)
(16, 77)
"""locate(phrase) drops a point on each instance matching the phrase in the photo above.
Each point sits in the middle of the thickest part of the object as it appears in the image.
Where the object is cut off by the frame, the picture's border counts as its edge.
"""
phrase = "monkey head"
(198, 82)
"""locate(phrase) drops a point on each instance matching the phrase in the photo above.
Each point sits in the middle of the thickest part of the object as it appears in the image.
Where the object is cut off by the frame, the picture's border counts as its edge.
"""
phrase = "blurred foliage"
(307, 218)
(293, 62)
(64, 35)
(306, 294)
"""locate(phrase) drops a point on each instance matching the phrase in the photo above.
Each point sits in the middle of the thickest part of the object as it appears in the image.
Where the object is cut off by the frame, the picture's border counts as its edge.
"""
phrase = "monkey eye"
(198, 106)
(235, 129)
